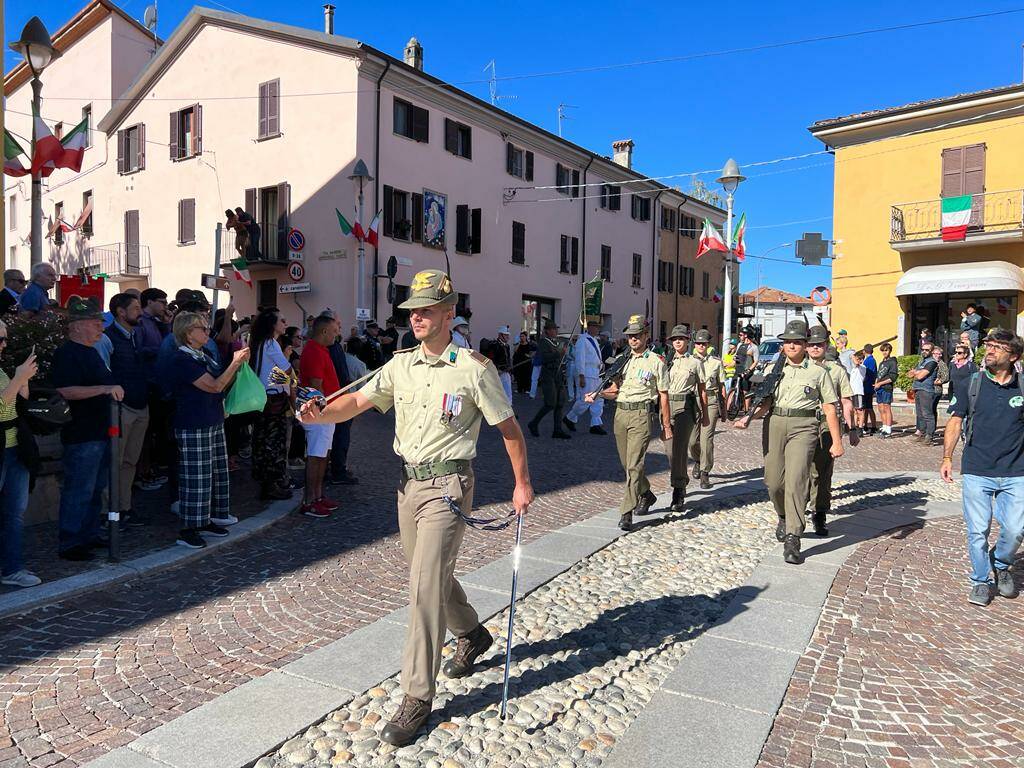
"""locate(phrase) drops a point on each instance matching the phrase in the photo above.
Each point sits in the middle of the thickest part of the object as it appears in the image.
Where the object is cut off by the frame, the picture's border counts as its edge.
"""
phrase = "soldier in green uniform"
(687, 403)
(803, 390)
(440, 393)
(644, 383)
(824, 463)
(712, 383)
(552, 381)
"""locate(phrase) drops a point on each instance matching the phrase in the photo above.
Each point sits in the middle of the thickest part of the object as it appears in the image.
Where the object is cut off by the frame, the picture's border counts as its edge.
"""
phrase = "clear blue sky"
(683, 116)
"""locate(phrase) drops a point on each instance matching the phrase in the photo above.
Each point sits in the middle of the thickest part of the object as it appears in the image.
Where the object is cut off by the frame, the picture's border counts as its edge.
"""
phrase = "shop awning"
(977, 277)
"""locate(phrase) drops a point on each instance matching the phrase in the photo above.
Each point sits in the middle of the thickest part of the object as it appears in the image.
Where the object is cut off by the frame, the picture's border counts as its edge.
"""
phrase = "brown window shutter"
(462, 228)
(264, 106)
(420, 124)
(417, 217)
(451, 136)
(559, 178)
(563, 254)
(173, 144)
(575, 258)
(510, 152)
(190, 220)
(121, 168)
(575, 183)
(974, 182)
(250, 203)
(389, 211)
(529, 166)
(952, 172)
(468, 149)
(181, 221)
(197, 117)
(273, 107)
(284, 204)
(141, 151)
(477, 223)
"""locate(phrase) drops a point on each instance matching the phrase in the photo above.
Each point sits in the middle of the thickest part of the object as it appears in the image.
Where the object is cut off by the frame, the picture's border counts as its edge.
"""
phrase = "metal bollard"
(113, 495)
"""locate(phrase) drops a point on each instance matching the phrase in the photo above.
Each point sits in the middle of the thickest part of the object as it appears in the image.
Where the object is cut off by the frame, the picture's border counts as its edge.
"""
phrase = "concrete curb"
(716, 709)
(115, 573)
(233, 730)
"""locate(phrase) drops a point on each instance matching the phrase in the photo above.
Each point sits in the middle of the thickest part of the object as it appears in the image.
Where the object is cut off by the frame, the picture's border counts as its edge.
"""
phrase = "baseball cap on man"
(430, 287)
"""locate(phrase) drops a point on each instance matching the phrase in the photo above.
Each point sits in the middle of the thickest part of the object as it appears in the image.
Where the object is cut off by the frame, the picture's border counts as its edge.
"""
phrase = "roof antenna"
(493, 84)
(562, 116)
(149, 20)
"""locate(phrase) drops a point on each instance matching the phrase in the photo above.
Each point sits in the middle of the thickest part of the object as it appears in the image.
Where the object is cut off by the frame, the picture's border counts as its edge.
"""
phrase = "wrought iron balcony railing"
(118, 260)
(991, 213)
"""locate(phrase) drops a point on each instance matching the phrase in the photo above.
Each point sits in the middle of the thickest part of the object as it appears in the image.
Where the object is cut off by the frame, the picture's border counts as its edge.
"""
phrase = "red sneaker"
(327, 503)
(313, 509)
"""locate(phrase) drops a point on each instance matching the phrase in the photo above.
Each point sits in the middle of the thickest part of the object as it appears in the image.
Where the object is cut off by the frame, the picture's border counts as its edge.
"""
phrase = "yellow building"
(893, 275)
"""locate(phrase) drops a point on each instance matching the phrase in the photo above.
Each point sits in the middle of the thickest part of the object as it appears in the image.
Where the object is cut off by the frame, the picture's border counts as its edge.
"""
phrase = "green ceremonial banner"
(592, 295)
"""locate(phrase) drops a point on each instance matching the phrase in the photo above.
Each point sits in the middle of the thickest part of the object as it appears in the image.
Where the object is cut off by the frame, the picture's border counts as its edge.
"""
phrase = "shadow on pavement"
(616, 632)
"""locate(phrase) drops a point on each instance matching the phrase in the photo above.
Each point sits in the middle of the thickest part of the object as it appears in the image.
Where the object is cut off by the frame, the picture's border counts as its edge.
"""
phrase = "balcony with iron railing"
(996, 217)
(117, 261)
(268, 249)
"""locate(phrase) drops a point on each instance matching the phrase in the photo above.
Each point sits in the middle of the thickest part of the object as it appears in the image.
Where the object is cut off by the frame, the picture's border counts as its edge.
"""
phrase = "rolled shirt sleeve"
(491, 398)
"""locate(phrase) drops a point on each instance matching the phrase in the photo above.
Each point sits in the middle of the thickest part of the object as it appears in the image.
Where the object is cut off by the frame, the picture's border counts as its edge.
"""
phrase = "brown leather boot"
(467, 651)
(705, 483)
(403, 727)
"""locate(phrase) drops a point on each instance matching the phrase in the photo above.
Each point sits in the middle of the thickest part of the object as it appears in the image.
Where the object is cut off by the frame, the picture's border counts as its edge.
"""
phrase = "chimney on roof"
(414, 54)
(329, 19)
(623, 153)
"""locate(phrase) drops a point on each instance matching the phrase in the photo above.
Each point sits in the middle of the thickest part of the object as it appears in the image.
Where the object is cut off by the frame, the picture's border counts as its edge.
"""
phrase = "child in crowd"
(858, 373)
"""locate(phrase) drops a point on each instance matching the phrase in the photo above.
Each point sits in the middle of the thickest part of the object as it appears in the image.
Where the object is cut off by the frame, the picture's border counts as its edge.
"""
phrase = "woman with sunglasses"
(198, 390)
(14, 476)
(961, 367)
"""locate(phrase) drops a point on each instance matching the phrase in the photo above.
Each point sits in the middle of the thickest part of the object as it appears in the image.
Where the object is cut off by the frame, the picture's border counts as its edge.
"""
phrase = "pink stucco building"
(234, 111)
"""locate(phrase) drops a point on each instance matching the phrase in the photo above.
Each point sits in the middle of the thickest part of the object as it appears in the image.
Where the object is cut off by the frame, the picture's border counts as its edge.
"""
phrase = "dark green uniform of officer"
(712, 378)
(552, 381)
(642, 387)
(686, 404)
(803, 391)
(824, 463)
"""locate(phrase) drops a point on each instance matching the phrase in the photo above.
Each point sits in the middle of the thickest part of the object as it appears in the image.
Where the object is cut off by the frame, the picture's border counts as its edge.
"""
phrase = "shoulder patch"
(484, 361)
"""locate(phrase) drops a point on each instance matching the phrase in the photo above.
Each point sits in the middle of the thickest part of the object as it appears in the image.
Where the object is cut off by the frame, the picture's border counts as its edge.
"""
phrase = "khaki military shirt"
(439, 403)
(804, 386)
(684, 375)
(840, 378)
(643, 378)
(712, 373)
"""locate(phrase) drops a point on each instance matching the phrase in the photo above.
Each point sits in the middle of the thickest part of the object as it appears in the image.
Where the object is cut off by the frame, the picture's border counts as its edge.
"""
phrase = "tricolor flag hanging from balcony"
(710, 240)
(956, 215)
(241, 267)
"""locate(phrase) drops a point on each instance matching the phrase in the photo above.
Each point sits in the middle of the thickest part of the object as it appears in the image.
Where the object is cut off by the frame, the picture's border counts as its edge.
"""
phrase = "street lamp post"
(38, 51)
(361, 174)
(730, 180)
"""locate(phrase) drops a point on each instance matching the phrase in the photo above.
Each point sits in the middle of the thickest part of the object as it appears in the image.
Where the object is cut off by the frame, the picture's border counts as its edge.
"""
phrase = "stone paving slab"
(232, 728)
(125, 758)
(783, 626)
(486, 601)
(497, 575)
(783, 583)
(564, 548)
(679, 731)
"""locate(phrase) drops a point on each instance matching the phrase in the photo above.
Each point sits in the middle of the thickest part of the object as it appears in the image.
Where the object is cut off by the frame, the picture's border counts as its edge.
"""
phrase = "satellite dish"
(149, 17)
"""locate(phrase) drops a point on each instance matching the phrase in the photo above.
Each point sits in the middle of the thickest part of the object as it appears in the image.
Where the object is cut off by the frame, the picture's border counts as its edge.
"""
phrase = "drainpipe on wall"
(376, 178)
(583, 243)
(654, 263)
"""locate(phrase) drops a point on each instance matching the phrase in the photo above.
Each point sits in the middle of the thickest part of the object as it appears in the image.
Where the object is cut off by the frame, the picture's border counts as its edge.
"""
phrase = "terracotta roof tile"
(773, 296)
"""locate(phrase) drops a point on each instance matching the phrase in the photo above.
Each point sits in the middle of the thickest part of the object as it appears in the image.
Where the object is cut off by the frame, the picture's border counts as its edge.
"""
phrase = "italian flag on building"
(710, 240)
(241, 267)
(956, 215)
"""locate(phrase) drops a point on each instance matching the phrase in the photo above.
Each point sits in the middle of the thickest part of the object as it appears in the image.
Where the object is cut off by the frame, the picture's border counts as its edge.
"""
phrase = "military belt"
(800, 412)
(681, 398)
(430, 470)
(643, 405)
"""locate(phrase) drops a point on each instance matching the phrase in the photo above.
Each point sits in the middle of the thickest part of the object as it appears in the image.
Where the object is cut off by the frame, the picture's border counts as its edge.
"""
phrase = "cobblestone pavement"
(592, 646)
(81, 677)
(902, 671)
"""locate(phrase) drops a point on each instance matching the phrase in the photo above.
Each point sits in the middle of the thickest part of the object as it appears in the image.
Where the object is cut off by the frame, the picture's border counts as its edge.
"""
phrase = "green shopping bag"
(246, 395)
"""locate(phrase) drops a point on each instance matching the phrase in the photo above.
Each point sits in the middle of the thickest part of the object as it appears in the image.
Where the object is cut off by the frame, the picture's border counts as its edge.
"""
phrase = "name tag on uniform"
(451, 407)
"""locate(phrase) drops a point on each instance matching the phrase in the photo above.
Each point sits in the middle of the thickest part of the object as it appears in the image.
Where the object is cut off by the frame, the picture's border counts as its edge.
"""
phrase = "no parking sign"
(296, 240)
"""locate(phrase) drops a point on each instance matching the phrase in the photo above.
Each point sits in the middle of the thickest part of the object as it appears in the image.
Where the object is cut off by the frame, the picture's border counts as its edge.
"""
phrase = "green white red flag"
(12, 156)
(74, 147)
(371, 235)
(710, 240)
(738, 246)
(346, 228)
(47, 149)
(241, 268)
(956, 215)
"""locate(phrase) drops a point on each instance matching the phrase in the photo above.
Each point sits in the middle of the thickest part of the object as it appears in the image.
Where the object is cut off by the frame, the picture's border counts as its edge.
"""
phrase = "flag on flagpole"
(12, 154)
(710, 240)
(48, 148)
(346, 228)
(738, 246)
(73, 147)
(371, 235)
(718, 295)
(956, 215)
(241, 267)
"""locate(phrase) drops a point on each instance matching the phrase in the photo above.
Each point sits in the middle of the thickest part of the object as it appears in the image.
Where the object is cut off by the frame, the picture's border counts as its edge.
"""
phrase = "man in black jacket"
(14, 284)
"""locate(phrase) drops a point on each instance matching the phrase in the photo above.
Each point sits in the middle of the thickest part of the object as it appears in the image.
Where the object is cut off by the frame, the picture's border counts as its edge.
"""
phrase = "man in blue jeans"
(993, 463)
(87, 384)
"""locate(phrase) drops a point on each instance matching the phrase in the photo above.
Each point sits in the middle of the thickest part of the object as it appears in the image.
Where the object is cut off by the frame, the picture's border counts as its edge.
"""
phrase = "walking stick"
(511, 615)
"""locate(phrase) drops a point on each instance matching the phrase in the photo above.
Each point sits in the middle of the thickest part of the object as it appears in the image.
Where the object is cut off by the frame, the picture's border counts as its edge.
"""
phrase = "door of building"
(536, 310)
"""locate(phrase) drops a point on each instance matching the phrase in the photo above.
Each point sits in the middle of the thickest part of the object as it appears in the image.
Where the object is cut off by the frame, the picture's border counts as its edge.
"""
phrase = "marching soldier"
(688, 405)
(552, 381)
(440, 393)
(824, 463)
(802, 391)
(644, 383)
(712, 384)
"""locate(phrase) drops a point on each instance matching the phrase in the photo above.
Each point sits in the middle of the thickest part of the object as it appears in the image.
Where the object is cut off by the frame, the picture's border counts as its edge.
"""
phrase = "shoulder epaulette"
(407, 349)
(484, 361)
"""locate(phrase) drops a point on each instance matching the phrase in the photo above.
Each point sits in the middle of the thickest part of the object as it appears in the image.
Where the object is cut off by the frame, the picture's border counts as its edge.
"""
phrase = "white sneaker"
(22, 578)
(225, 521)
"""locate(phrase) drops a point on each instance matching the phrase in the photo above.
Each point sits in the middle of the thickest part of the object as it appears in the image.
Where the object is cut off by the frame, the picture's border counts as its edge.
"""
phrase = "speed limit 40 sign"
(296, 271)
